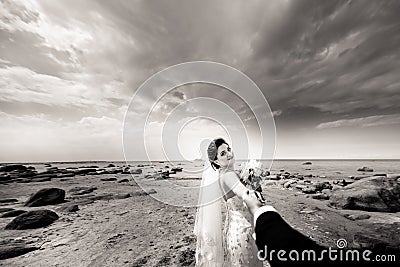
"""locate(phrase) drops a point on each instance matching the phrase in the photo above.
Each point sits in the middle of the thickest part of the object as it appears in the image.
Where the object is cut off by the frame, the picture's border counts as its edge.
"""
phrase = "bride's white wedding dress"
(231, 245)
(239, 245)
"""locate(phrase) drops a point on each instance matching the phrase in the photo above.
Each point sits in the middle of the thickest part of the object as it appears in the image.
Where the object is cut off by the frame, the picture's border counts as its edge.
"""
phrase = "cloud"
(329, 55)
(41, 138)
(370, 121)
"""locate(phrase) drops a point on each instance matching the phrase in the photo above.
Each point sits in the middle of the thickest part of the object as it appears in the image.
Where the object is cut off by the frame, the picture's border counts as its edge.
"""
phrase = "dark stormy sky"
(330, 71)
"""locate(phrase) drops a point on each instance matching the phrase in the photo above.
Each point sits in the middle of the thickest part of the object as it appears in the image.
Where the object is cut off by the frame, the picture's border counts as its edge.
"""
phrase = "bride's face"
(224, 156)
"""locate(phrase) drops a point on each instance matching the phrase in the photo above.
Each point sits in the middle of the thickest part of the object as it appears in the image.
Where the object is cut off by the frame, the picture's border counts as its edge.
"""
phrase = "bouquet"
(251, 166)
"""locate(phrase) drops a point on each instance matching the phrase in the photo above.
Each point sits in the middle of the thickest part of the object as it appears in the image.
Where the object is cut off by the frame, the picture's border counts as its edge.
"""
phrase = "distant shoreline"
(157, 161)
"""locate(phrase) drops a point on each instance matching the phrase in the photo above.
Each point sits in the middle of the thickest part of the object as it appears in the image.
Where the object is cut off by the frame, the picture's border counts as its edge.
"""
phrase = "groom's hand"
(252, 202)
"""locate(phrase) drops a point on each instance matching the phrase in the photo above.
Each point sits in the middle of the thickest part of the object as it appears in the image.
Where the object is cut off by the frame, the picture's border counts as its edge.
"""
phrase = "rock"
(380, 174)
(82, 190)
(356, 217)
(8, 200)
(370, 194)
(14, 249)
(307, 163)
(289, 183)
(122, 196)
(13, 167)
(12, 213)
(151, 191)
(342, 182)
(177, 169)
(360, 177)
(322, 185)
(46, 196)
(136, 171)
(140, 166)
(110, 165)
(393, 176)
(64, 175)
(68, 208)
(39, 180)
(5, 209)
(161, 176)
(32, 219)
(84, 171)
(108, 179)
(123, 181)
(365, 169)
(273, 177)
(309, 189)
(320, 196)
(186, 257)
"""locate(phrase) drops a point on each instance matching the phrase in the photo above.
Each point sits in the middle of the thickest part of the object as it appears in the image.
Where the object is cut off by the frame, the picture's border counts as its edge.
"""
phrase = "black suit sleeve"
(273, 233)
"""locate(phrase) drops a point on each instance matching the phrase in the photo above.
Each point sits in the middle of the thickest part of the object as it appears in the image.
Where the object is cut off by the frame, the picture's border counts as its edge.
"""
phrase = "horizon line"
(161, 160)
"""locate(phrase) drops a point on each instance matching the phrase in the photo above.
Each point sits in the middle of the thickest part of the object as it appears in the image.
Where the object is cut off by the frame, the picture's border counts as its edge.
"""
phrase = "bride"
(236, 246)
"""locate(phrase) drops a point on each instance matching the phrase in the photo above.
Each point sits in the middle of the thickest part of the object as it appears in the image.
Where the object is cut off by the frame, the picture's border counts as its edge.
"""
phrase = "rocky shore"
(99, 216)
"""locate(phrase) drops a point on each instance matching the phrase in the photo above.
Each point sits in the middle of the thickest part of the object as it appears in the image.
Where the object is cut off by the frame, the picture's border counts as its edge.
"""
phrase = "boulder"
(365, 169)
(110, 165)
(356, 217)
(123, 181)
(322, 185)
(177, 169)
(32, 219)
(46, 196)
(108, 179)
(13, 213)
(8, 200)
(136, 171)
(14, 249)
(307, 163)
(309, 189)
(14, 167)
(289, 183)
(370, 194)
(84, 171)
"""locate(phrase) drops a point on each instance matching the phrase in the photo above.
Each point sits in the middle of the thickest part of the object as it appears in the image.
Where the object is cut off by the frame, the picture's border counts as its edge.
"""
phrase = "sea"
(328, 168)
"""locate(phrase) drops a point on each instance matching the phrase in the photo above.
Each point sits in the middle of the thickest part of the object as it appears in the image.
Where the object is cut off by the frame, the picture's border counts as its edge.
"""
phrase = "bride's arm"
(231, 180)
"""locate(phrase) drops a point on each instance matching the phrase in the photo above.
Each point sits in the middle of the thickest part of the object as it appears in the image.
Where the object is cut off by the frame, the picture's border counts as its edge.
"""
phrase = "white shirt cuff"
(261, 210)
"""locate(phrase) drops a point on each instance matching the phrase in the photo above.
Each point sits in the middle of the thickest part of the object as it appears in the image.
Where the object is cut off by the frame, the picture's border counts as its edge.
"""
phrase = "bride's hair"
(212, 151)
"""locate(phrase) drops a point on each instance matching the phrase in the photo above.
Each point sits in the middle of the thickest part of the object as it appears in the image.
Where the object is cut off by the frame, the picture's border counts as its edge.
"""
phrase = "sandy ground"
(141, 231)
